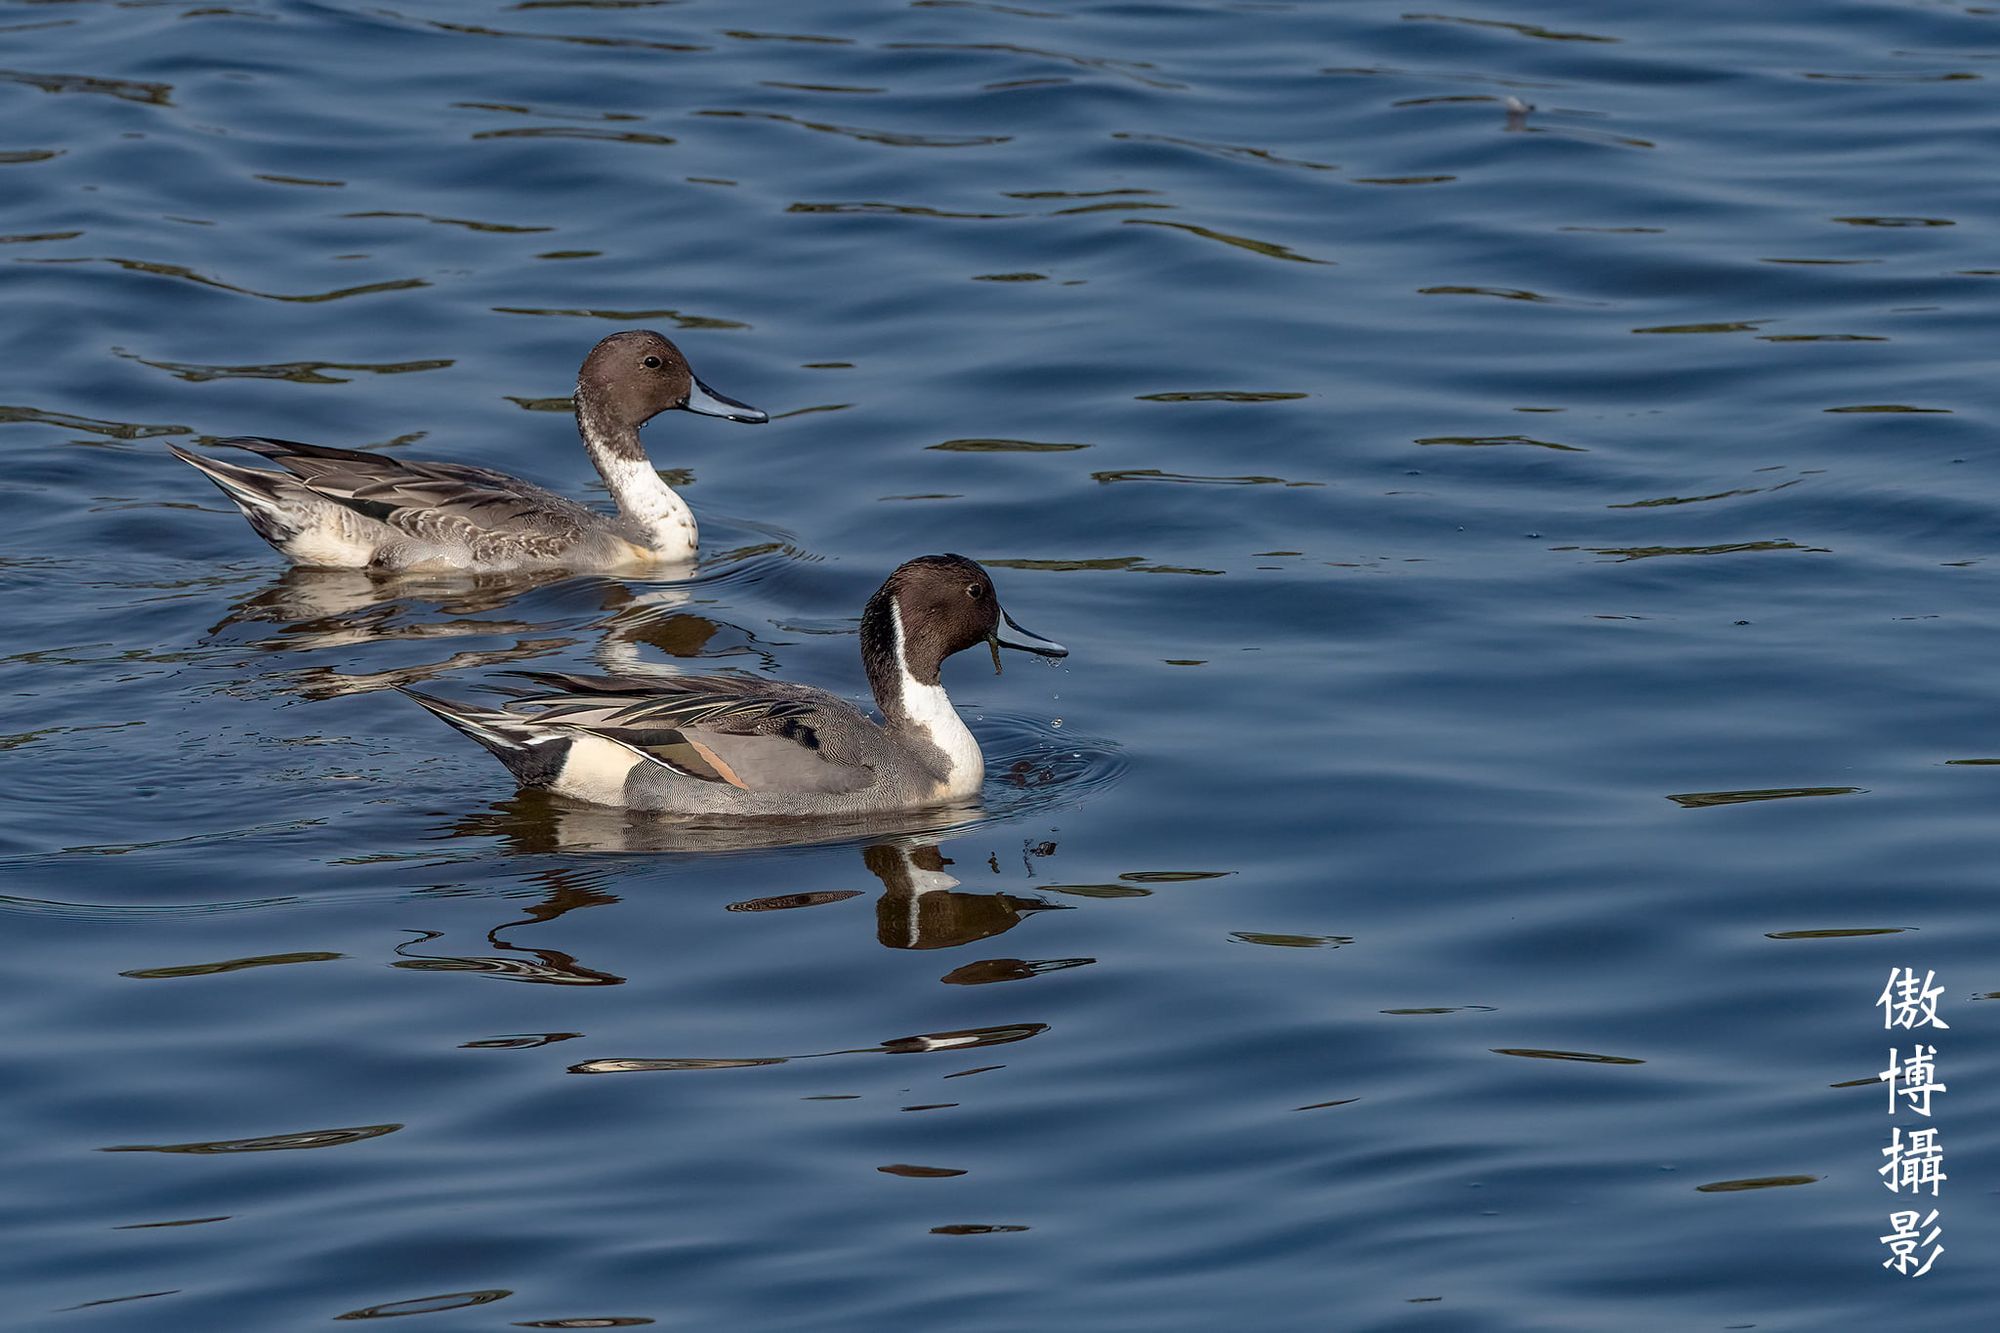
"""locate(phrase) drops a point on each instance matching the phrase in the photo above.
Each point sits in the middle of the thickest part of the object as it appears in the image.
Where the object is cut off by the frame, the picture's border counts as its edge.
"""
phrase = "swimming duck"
(746, 745)
(344, 509)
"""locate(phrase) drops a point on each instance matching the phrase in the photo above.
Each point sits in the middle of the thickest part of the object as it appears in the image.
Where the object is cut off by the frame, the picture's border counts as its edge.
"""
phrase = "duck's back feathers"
(654, 687)
(770, 741)
(494, 517)
(754, 733)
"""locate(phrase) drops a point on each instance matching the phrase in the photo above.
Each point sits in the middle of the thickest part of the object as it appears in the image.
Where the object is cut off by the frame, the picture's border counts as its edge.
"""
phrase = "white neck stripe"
(929, 713)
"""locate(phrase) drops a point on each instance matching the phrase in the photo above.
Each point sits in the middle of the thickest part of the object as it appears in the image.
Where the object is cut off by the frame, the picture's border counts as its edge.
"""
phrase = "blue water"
(1528, 571)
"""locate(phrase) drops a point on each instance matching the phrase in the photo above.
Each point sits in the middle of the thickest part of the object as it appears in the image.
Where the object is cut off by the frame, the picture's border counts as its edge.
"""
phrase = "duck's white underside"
(595, 769)
(339, 540)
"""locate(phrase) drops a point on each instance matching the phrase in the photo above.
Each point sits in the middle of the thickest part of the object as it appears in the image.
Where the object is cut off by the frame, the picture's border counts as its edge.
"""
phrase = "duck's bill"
(1013, 636)
(709, 403)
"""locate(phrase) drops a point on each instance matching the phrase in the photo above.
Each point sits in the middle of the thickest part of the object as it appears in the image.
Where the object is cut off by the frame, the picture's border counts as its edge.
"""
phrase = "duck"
(345, 509)
(740, 745)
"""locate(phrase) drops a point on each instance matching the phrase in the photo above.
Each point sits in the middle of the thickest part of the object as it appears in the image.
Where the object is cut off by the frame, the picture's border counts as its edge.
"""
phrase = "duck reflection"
(659, 619)
(310, 610)
(331, 607)
(566, 892)
(920, 907)
(533, 822)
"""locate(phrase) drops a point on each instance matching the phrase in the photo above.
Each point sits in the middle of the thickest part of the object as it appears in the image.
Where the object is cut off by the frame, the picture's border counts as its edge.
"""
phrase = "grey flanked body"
(344, 509)
(746, 746)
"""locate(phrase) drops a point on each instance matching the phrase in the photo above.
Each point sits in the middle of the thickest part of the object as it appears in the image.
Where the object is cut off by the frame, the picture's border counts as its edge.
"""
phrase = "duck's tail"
(259, 494)
(532, 753)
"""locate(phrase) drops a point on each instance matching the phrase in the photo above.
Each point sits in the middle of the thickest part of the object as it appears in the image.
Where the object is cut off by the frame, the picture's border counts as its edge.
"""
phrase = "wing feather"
(436, 502)
(742, 731)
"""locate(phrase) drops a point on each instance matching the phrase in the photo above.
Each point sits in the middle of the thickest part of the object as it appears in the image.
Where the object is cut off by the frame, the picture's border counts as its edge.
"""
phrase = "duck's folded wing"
(720, 729)
(435, 501)
(662, 686)
(749, 763)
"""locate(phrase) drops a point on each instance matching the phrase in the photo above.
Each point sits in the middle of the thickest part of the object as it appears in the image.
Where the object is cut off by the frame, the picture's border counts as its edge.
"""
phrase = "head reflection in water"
(920, 910)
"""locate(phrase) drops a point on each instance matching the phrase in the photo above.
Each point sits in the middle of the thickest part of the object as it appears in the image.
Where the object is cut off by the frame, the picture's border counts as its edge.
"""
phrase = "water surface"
(1517, 484)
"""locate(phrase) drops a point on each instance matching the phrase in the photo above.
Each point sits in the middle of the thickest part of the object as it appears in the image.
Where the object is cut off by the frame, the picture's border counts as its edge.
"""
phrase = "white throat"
(664, 521)
(931, 715)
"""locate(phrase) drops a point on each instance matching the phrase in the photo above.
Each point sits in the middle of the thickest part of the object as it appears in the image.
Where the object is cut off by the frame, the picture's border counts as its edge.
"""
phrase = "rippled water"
(1518, 485)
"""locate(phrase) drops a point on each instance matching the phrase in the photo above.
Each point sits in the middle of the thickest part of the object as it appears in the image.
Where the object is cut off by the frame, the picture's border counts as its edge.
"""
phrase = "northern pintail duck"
(745, 745)
(344, 509)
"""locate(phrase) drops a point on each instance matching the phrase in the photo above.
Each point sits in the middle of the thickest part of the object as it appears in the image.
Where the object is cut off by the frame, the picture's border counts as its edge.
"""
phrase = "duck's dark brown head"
(938, 605)
(632, 377)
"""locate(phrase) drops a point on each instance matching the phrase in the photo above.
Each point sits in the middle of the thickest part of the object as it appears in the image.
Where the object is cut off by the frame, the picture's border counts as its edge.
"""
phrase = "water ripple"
(187, 274)
(922, 1043)
(296, 372)
(1700, 800)
(469, 224)
(576, 39)
(230, 965)
(451, 1300)
(1138, 71)
(116, 430)
(1353, 770)
(306, 1138)
(1534, 30)
(584, 132)
(1269, 249)
(680, 320)
(126, 90)
(893, 138)
(1239, 152)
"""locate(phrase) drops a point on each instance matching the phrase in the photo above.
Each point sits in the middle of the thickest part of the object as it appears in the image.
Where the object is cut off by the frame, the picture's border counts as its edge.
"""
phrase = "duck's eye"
(974, 591)
(652, 363)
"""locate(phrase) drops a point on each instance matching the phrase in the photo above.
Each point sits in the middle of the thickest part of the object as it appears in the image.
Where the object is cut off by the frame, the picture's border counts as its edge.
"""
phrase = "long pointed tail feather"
(252, 490)
(534, 755)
